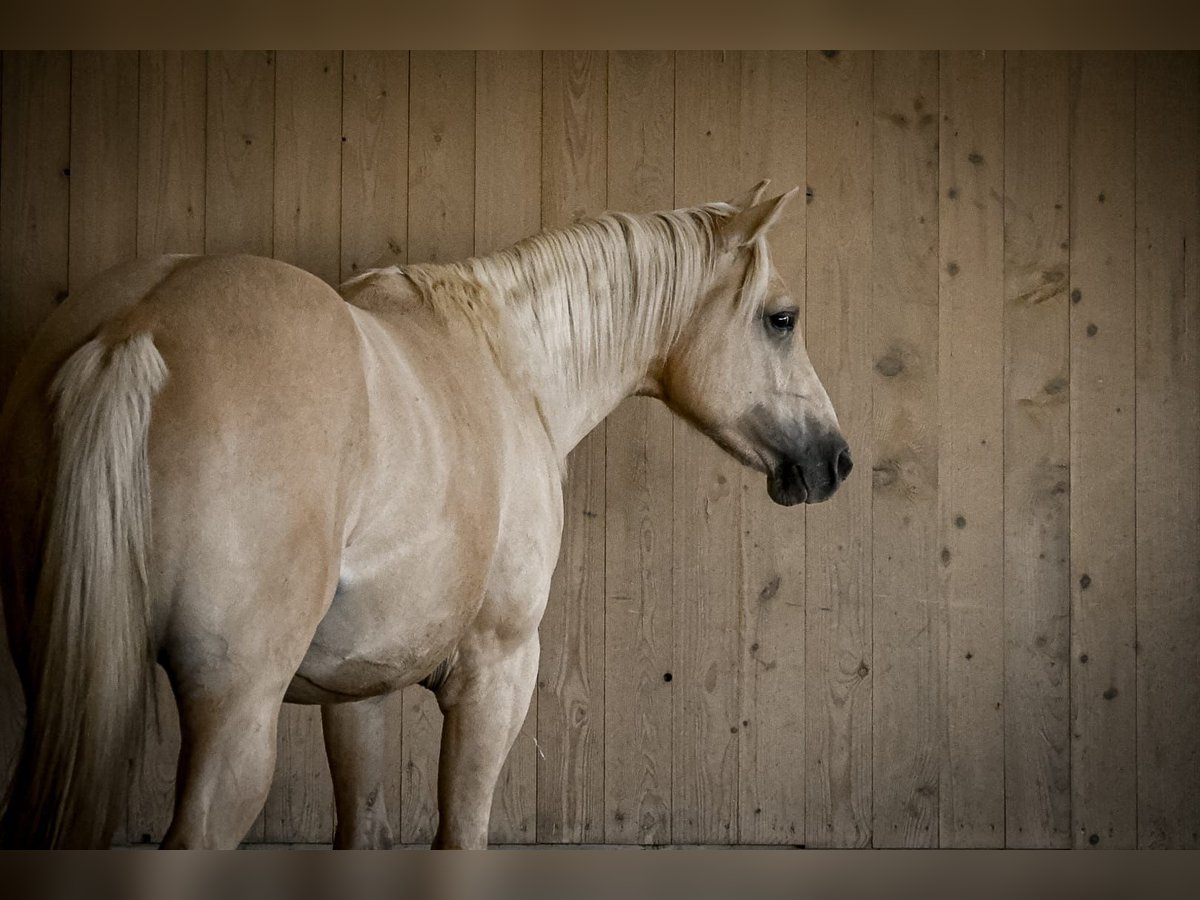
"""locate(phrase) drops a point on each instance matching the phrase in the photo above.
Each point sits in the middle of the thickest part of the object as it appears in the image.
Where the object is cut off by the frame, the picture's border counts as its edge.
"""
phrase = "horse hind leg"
(225, 769)
(230, 672)
(355, 741)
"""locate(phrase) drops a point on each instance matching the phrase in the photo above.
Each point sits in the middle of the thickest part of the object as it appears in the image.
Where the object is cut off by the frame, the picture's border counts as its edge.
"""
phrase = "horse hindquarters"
(230, 674)
(254, 457)
(251, 458)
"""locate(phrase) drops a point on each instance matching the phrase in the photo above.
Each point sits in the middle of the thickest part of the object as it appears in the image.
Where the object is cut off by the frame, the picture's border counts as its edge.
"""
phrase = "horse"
(282, 492)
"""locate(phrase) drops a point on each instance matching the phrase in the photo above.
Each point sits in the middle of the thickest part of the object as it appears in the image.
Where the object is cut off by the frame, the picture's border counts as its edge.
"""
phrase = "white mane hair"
(605, 294)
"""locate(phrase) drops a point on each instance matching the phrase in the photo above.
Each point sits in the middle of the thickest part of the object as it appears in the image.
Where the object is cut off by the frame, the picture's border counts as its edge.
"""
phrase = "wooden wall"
(990, 638)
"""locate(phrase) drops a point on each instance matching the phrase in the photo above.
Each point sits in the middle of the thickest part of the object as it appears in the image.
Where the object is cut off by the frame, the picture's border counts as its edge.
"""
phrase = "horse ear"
(751, 197)
(749, 225)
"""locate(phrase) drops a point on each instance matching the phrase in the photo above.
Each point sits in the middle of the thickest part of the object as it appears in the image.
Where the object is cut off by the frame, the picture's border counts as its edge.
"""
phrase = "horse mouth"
(785, 484)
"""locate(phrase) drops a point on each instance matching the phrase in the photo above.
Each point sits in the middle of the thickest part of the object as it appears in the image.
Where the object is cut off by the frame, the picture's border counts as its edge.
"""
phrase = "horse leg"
(484, 703)
(230, 666)
(225, 768)
(354, 743)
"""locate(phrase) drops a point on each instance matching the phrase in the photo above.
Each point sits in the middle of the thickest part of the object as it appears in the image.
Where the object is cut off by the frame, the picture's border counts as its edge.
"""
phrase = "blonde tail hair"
(90, 647)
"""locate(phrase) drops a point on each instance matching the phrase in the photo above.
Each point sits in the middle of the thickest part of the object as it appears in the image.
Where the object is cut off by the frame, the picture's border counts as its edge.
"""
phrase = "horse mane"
(607, 291)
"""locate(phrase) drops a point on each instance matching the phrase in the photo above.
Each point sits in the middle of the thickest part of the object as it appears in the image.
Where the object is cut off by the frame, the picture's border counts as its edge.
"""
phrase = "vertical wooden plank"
(171, 108)
(570, 703)
(239, 184)
(638, 494)
(1168, 433)
(307, 213)
(508, 206)
(374, 230)
(739, 596)
(909, 621)
(970, 462)
(308, 161)
(1103, 558)
(770, 137)
(838, 627)
(707, 574)
(739, 117)
(103, 226)
(441, 156)
(35, 116)
(441, 215)
(508, 147)
(34, 197)
(374, 163)
(1037, 510)
(239, 170)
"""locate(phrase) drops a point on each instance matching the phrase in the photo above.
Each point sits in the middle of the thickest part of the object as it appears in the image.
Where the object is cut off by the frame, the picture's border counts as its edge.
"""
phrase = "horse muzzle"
(812, 475)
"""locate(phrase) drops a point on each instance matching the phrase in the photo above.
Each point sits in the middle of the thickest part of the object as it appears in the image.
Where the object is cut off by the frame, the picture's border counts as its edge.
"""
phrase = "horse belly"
(392, 628)
(420, 548)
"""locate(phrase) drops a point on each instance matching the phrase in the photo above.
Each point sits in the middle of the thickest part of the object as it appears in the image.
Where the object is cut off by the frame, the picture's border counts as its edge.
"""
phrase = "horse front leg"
(484, 700)
(355, 740)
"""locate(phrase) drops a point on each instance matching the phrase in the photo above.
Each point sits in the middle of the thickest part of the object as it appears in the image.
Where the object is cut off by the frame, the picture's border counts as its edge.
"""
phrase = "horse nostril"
(844, 464)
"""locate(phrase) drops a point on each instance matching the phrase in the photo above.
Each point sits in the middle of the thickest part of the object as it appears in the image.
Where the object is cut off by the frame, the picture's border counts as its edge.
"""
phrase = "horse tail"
(89, 633)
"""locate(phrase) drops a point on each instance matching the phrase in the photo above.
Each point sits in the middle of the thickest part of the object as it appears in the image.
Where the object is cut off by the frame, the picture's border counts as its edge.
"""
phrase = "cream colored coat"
(221, 464)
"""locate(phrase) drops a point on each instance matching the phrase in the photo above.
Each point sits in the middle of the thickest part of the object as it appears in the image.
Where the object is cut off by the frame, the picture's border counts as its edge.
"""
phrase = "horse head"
(739, 370)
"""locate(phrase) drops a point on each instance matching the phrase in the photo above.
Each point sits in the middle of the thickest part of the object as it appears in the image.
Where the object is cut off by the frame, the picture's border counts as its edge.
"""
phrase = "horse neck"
(592, 310)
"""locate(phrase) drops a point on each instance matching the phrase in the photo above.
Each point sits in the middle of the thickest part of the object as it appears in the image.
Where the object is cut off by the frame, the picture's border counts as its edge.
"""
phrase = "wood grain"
(638, 494)
(772, 106)
(1031, 438)
(508, 207)
(104, 113)
(171, 110)
(739, 118)
(35, 118)
(441, 226)
(570, 700)
(1167, 284)
(35, 146)
(909, 623)
(170, 203)
(707, 485)
(240, 156)
(307, 220)
(374, 213)
(1037, 449)
(1103, 564)
(970, 795)
(308, 161)
(838, 630)
(441, 156)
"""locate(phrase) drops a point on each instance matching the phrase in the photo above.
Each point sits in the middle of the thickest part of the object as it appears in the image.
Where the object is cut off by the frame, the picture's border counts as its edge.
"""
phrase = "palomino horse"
(350, 494)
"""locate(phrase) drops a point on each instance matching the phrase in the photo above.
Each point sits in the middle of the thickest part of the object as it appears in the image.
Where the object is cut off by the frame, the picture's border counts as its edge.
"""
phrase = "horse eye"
(782, 321)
